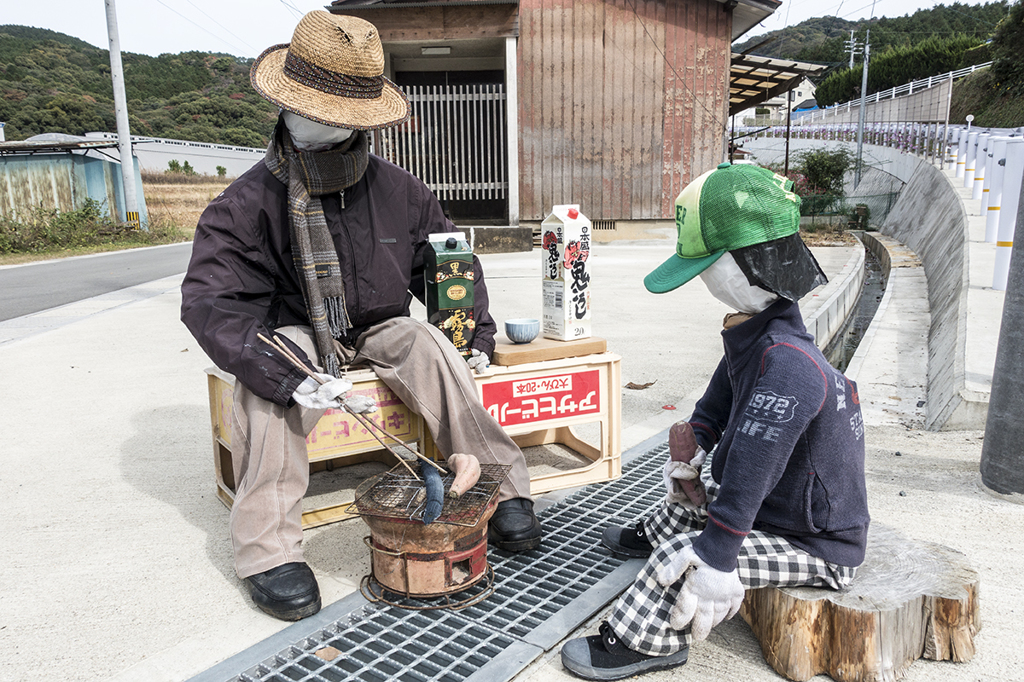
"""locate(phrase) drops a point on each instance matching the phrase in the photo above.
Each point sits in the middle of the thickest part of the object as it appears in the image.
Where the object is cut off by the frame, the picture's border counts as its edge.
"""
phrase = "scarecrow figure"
(765, 481)
(323, 244)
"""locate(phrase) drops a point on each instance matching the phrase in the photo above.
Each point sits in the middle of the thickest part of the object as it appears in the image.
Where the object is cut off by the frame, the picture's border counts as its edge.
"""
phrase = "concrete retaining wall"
(840, 298)
(931, 219)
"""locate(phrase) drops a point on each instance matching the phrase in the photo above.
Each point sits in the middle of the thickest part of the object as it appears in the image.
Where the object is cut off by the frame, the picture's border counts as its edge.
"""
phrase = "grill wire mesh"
(383, 642)
(395, 494)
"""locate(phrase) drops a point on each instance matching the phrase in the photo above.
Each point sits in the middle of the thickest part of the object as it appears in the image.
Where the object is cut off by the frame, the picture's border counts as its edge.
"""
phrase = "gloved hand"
(316, 396)
(360, 404)
(707, 596)
(676, 473)
(478, 361)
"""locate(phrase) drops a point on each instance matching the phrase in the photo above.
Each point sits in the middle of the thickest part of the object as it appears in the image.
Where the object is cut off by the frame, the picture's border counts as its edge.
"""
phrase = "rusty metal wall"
(621, 103)
(28, 182)
(61, 181)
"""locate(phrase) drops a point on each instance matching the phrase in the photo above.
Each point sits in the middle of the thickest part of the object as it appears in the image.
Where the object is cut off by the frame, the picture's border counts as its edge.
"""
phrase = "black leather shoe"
(631, 542)
(288, 591)
(514, 527)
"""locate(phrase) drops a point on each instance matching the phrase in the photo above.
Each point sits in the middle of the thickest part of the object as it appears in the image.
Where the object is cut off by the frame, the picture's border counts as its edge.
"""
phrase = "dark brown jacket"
(241, 280)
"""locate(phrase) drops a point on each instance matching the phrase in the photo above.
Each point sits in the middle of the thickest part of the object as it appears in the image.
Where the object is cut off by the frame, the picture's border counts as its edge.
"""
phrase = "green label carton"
(449, 283)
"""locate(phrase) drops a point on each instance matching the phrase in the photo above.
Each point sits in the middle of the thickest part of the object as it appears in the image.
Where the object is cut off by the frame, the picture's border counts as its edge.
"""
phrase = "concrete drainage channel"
(540, 597)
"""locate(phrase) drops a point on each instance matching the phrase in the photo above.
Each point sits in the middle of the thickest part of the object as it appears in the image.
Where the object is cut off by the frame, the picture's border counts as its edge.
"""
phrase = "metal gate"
(454, 141)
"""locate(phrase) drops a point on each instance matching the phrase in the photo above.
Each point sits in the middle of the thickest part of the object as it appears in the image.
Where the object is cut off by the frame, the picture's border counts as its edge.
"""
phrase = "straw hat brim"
(268, 79)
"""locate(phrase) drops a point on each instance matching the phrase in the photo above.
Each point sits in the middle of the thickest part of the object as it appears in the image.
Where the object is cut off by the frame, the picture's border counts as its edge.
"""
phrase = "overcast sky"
(246, 27)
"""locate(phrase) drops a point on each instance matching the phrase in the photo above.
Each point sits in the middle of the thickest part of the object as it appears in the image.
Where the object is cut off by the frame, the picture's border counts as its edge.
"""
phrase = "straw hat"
(331, 73)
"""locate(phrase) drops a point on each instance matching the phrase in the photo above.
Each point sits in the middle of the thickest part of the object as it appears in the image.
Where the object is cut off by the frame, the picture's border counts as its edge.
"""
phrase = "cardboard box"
(565, 237)
(449, 275)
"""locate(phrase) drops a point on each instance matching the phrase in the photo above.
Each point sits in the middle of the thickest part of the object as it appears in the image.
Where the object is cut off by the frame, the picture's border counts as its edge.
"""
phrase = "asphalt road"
(27, 289)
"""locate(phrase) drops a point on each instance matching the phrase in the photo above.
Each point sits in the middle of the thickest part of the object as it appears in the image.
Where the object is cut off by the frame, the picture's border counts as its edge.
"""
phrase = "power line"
(290, 6)
(201, 27)
(223, 26)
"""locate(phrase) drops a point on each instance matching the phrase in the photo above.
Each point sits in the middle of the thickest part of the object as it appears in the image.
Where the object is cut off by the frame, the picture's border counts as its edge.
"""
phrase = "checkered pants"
(641, 615)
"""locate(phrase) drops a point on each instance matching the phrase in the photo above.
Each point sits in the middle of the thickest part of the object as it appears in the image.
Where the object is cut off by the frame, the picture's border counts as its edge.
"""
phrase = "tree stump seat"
(910, 599)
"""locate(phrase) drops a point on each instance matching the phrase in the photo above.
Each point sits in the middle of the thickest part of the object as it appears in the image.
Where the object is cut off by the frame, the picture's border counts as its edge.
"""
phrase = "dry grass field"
(180, 204)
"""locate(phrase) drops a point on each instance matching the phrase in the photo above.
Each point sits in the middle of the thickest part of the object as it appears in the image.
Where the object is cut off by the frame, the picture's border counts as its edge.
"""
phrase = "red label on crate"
(540, 399)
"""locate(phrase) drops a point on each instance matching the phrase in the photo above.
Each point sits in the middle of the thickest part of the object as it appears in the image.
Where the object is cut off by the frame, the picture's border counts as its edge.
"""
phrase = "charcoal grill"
(410, 560)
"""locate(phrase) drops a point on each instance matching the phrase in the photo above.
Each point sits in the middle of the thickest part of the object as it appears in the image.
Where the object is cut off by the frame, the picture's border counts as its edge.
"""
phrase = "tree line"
(52, 82)
(823, 39)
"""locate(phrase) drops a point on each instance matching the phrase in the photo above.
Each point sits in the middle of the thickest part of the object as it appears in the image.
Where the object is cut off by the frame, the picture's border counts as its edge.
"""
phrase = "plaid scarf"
(308, 176)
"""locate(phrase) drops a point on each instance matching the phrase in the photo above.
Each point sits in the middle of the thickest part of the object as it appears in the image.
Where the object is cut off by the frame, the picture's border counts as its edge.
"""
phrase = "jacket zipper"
(354, 294)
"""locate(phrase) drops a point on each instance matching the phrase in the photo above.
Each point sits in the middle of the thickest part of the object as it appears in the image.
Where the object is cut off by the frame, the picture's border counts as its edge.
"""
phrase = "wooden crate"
(536, 403)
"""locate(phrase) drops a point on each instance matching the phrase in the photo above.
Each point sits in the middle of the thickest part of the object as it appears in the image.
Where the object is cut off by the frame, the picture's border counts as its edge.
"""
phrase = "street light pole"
(124, 136)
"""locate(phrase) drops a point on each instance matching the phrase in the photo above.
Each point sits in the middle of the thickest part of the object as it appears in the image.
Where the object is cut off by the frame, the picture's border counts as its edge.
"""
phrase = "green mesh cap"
(727, 208)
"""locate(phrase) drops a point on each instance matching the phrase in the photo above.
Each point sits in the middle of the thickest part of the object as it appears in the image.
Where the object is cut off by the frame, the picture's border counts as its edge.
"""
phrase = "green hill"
(51, 82)
(821, 39)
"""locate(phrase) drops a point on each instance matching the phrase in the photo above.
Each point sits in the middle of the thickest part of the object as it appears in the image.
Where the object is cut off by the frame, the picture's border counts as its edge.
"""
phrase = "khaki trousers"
(269, 456)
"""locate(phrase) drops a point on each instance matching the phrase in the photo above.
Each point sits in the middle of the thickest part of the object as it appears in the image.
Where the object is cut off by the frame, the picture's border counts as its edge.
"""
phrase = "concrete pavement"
(118, 564)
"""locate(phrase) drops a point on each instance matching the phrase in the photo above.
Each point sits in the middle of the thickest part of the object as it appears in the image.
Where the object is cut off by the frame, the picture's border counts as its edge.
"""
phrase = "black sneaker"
(631, 542)
(514, 527)
(604, 657)
(288, 592)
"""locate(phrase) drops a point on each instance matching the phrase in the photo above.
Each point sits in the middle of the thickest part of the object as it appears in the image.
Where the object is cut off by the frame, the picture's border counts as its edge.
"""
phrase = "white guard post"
(996, 173)
(1013, 174)
(980, 166)
(972, 150)
(961, 152)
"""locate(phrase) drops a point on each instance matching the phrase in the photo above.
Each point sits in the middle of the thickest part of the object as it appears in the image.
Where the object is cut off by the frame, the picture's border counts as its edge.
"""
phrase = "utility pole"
(851, 47)
(1002, 460)
(124, 136)
(863, 108)
(789, 116)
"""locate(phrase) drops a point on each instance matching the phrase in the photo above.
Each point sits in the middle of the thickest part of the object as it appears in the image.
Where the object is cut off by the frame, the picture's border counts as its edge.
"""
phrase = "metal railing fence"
(454, 141)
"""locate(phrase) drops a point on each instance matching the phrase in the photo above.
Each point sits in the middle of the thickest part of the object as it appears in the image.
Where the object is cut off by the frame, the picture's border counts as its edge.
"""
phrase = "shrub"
(47, 229)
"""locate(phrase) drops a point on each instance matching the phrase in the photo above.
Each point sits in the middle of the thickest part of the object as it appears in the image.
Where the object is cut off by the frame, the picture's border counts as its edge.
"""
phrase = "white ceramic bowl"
(522, 330)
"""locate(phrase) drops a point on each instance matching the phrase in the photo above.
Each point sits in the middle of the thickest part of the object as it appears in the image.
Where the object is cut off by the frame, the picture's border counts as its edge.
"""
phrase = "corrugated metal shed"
(621, 103)
(60, 174)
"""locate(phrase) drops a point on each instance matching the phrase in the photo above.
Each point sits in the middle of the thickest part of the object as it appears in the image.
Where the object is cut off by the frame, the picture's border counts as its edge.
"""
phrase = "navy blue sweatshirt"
(790, 437)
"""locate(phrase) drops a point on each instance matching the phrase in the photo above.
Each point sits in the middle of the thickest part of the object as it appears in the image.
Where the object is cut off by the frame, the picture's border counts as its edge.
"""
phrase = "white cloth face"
(728, 284)
(310, 136)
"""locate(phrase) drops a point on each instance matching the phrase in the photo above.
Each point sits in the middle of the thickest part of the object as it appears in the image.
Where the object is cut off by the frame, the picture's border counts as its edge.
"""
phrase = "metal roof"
(403, 4)
(754, 79)
(52, 146)
(746, 14)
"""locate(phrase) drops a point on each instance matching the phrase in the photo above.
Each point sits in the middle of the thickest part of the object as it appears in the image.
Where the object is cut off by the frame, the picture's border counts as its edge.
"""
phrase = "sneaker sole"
(588, 672)
(625, 551)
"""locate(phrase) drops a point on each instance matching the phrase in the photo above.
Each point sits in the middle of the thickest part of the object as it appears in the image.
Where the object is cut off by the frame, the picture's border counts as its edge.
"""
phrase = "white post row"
(1013, 173)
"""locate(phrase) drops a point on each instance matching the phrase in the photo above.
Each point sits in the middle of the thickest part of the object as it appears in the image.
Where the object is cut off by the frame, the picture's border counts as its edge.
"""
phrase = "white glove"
(360, 404)
(317, 396)
(707, 596)
(676, 472)
(478, 362)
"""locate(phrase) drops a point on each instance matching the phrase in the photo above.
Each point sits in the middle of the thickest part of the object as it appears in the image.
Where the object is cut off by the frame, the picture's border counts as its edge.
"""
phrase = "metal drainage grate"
(571, 575)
